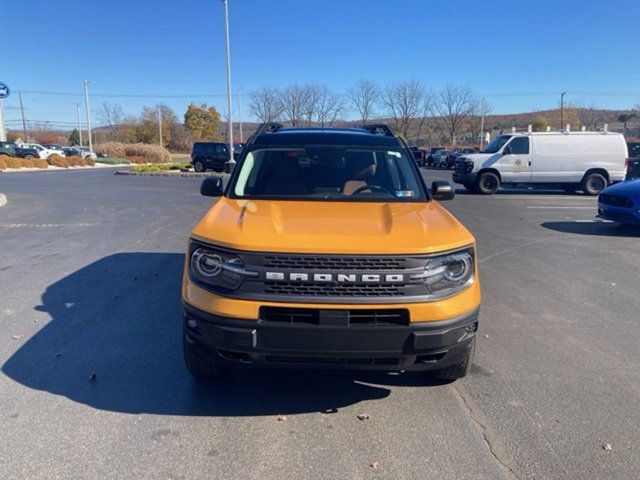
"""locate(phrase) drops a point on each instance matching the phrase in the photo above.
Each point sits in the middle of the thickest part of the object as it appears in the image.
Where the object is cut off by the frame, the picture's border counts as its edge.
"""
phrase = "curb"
(3, 199)
(166, 174)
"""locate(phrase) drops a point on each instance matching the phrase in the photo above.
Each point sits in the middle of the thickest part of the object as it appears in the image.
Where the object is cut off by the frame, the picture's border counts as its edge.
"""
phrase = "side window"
(220, 149)
(520, 145)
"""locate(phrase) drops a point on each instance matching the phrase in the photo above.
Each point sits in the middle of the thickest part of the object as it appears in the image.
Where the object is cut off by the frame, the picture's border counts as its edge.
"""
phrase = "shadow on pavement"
(120, 318)
(605, 229)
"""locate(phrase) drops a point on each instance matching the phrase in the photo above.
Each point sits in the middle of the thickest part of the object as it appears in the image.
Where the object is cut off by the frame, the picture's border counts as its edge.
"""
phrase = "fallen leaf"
(363, 416)
(606, 446)
(282, 418)
(613, 284)
(375, 465)
(92, 377)
(17, 337)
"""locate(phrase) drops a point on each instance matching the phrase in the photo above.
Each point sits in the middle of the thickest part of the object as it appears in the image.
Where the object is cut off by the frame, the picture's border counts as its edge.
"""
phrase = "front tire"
(594, 183)
(199, 166)
(28, 156)
(198, 366)
(488, 183)
(460, 369)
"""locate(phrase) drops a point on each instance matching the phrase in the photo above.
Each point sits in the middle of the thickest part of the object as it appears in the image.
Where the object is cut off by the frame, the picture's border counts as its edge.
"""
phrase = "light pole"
(562, 109)
(239, 115)
(231, 163)
(86, 102)
(24, 124)
(79, 126)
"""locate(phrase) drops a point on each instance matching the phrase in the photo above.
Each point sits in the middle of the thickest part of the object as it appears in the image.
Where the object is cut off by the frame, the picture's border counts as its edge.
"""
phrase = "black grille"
(328, 262)
(337, 290)
(350, 318)
(615, 200)
(288, 359)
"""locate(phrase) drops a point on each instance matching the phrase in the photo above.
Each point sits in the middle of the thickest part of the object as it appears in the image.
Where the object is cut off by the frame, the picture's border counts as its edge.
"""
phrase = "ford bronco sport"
(326, 249)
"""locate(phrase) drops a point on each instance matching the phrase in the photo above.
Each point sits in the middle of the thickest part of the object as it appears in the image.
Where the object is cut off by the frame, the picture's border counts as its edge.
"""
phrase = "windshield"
(328, 173)
(497, 144)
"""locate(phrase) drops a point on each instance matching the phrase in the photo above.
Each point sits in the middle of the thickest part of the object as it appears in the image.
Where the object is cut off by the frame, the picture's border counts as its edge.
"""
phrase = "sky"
(518, 55)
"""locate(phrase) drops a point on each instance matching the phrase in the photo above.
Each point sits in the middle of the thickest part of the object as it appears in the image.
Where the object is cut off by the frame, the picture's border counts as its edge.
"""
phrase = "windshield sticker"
(404, 193)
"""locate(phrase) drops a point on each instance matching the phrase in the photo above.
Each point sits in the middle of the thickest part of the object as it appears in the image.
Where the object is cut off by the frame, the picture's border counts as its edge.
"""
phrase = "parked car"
(633, 162)
(440, 158)
(7, 149)
(80, 152)
(23, 151)
(211, 156)
(42, 151)
(55, 148)
(294, 267)
(431, 155)
(587, 161)
(419, 155)
(621, 203)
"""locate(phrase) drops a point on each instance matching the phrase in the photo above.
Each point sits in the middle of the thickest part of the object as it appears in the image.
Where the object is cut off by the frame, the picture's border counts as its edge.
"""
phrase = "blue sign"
(4, 90)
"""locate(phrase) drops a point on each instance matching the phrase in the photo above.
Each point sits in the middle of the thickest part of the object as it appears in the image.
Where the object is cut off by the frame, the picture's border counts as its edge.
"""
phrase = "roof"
(538, 134)
(325, 136)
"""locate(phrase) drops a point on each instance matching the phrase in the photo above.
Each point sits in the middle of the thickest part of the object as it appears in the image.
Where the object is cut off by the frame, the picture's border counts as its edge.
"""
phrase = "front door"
(515, 164)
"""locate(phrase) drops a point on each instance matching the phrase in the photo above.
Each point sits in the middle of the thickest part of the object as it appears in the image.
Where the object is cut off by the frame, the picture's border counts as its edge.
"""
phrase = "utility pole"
(562, 109)
(239, 115)
(232, 162)
(86, 102)
(160, 123)
(79, 126)
(24, 124)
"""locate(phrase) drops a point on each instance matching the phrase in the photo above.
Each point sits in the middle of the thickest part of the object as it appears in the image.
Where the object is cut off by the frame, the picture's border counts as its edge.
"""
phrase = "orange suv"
(326, 249)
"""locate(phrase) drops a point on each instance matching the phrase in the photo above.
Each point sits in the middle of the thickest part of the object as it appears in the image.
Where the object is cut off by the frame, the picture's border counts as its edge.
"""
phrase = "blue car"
(621, 202)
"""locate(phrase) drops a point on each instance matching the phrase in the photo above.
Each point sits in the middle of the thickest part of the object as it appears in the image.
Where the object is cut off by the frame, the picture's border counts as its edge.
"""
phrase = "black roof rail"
(262, 128)
(378, 129)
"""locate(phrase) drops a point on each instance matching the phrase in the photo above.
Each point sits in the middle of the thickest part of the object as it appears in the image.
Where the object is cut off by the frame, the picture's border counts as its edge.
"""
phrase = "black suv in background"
(17, 151)
(212, 155)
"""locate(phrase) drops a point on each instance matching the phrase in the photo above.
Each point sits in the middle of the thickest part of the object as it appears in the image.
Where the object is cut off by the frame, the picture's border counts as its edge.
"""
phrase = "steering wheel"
(372, 188)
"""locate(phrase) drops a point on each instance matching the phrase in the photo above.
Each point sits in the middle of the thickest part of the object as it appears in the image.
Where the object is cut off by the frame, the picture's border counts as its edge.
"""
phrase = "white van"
(586, 161)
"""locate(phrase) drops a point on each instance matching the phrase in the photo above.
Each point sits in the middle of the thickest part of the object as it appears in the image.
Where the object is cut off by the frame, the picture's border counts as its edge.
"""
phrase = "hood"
(630, 188)
(331, 227)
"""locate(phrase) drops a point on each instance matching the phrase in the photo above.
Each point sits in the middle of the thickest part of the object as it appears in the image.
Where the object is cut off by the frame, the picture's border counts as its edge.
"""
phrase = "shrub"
(57, 161)
(74, 161)
(13, 162)
(26, 163)
(40, 163)
(3, 163)
(150, 153)
(89, 162)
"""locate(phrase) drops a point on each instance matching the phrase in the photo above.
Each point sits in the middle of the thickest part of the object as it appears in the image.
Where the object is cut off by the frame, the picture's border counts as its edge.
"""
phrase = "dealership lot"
(92, 371)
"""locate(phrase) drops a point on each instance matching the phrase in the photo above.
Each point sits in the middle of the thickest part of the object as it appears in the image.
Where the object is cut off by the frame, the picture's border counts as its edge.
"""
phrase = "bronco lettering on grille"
(336, 277)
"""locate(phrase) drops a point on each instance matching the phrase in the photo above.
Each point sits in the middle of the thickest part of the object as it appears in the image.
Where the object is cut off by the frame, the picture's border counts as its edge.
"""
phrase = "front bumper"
(418, 346)
(619, 214)
(463, 177)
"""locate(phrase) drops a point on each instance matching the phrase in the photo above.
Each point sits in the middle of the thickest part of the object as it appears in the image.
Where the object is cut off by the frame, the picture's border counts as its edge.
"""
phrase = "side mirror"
(212, 186)
(442, 190)
(507, 150)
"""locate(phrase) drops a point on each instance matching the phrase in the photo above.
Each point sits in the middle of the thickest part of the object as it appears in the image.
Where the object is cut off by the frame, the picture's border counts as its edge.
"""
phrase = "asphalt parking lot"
(92, 383)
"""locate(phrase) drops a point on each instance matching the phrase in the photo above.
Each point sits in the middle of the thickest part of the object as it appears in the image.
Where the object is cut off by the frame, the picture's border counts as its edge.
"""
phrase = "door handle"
(529, 162)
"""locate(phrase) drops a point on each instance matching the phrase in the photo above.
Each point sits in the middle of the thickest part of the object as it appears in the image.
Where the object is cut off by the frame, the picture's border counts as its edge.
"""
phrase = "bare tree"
(328, 107)
(475, 123)
(111, 115)
(454, 105)
(266, 104)
(591, 117)
(406, 102)
(293, 104)
(311, 97)
(364, 96)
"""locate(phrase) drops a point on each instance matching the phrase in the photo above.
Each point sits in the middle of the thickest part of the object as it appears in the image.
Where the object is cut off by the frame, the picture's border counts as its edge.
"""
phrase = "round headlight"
(206, 263)
(458, 267)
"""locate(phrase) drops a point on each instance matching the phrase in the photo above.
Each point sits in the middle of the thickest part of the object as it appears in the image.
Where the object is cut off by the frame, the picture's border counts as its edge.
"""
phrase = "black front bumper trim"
(418, 346)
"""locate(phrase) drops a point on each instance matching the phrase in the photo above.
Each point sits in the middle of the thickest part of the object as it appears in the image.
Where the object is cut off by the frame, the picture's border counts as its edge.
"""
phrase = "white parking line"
(539, 207)
(529, 198)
